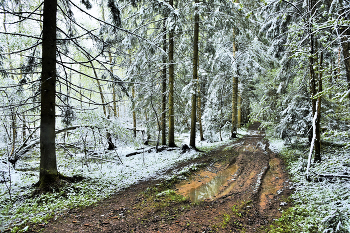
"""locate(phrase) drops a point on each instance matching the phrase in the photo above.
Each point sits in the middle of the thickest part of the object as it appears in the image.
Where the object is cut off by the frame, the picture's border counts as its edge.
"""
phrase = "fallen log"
(139, 152)
(331, 176)
(159, 149)
(105, 160)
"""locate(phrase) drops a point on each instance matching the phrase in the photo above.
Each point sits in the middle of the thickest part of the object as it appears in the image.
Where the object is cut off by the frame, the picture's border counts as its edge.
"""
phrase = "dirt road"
(240, 187)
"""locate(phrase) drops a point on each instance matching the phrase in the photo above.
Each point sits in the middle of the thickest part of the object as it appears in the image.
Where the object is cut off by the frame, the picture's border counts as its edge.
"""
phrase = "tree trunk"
(48, 164)
(111, 146)
(221, 115)
(234, 95)
(171, 86)
(101, 95)
(199, 113)
(14, 129)
(239, 111)
(7, 40)
(234, 107)
(346, 53)
(314, 88)
(24, 127)
(148, 133)
(111, 70)
(133, 109)
(195, 77)
(12, 109)
(318, 119)
(164, 87)
(115, 109)
(20, 27)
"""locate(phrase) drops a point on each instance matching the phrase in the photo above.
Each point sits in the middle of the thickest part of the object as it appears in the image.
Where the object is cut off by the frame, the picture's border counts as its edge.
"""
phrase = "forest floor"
(240, 187)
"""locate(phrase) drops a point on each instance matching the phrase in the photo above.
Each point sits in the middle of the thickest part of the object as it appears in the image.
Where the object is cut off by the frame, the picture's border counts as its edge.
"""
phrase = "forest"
(96, 96)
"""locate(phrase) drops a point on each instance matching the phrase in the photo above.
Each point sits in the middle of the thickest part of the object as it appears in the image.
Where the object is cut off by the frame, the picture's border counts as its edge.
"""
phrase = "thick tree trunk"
(48, 164)
(171, 87)
(234, 95)
(195, 77)
(234, 107)
(313, 87)
(164, 86)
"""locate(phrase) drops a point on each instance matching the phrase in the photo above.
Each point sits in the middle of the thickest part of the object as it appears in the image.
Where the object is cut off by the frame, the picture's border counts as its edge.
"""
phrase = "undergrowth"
(320, 205)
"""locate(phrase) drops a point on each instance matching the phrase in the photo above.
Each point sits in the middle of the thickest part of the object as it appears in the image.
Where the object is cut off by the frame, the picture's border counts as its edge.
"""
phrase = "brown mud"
(242, 187)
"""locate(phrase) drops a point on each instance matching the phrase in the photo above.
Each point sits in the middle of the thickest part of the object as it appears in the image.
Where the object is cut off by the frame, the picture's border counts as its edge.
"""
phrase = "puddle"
(208, 185)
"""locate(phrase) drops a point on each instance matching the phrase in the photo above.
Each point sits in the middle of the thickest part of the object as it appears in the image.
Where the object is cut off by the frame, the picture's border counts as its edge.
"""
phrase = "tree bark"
(318, 119)
(115, 113)
(346, 53)
(234, 95)
(199, 113)
(101, 91)
(48, 164)
(171, 86)
(195, 77)
(164, 86)
(313, 87)
(14, 129)
(111, 146)
(239, 111)
(115, 109)
(133, 109)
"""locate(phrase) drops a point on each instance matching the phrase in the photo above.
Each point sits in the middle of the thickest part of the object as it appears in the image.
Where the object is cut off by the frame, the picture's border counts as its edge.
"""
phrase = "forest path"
(241, 187)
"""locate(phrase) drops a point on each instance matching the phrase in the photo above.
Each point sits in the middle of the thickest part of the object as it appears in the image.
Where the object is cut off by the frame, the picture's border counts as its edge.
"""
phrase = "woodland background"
(104, 76)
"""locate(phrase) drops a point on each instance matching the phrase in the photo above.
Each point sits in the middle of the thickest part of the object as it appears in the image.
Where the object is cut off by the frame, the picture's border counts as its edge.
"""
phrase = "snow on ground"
(276, 145)
(105, 173)
(321, 205)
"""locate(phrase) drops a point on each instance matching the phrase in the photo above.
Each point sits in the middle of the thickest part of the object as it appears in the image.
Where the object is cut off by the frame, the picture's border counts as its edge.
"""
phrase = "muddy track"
(242, 188)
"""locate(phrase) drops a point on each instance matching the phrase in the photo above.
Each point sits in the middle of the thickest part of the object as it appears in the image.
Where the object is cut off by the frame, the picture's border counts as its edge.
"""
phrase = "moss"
(48, 181)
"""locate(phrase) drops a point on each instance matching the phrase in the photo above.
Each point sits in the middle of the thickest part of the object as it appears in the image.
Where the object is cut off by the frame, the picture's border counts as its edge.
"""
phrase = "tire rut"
(254, 185)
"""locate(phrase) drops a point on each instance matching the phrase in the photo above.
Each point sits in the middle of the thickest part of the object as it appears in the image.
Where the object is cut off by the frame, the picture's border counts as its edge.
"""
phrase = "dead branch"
(24, 148)
(139, 152)
(160, 149)
(331, 176)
